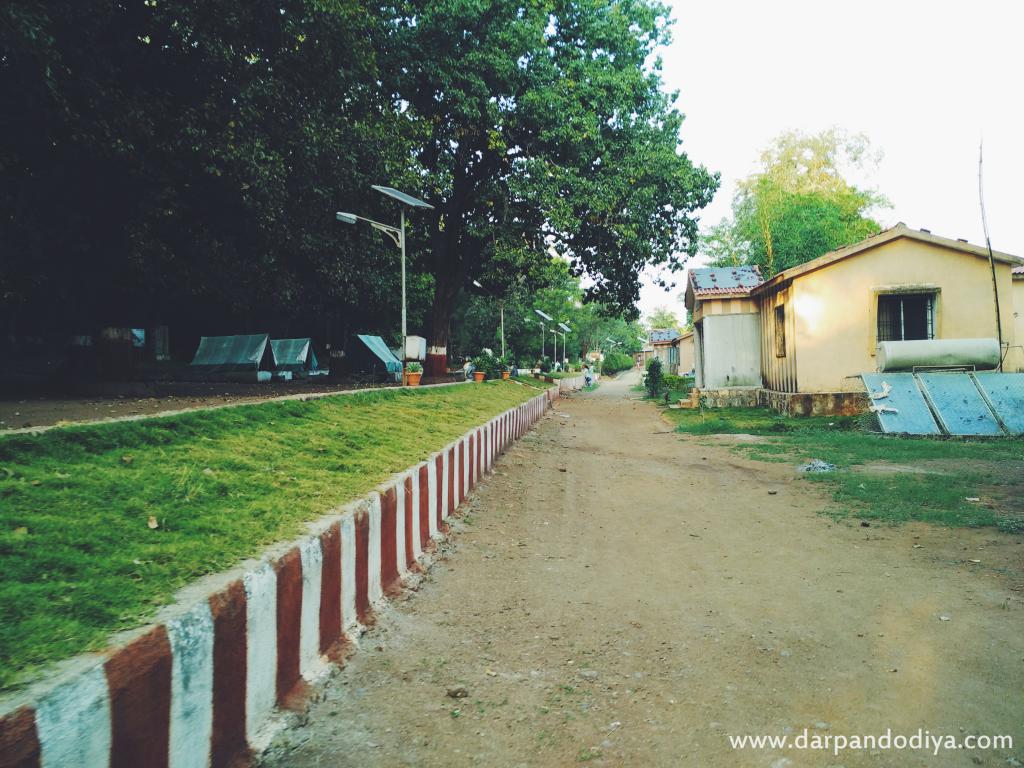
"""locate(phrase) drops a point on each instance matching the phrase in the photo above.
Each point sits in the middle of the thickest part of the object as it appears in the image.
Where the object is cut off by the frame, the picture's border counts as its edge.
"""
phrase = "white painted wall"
(731, 351)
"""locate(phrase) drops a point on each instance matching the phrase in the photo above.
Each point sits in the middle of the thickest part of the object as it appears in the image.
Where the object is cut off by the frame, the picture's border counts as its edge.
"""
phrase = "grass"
(80, 558)
(949, 470)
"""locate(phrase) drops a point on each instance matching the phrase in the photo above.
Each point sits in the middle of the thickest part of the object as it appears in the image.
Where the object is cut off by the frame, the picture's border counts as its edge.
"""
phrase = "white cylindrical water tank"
(983, 354)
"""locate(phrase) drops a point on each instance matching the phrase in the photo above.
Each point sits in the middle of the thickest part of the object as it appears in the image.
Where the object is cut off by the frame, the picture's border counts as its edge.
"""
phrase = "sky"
(925, 81)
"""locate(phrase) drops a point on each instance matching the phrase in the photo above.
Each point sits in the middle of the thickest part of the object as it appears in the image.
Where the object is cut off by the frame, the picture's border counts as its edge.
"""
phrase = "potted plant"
(480, 366)
(413, 372)
(505, 367)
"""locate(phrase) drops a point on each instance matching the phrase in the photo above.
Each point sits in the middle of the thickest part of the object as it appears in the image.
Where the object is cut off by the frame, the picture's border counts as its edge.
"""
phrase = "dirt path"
(621, 596)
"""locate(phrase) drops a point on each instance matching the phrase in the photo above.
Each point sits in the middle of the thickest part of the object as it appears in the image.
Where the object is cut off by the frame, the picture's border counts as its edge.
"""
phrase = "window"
(780, 330)
(906, 316)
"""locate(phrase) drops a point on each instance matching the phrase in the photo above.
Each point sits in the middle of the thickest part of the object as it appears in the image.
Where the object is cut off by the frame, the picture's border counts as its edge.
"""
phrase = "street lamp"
(397, 234)
(566, 330)
(543, 331)
(501, 312)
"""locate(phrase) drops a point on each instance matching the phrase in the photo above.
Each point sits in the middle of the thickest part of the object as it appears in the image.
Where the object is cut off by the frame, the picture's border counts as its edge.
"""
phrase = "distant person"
(588, 376)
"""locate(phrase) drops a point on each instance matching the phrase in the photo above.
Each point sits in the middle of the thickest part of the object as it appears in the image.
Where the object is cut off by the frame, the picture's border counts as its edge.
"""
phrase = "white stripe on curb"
(312, 556)
(260, 647)
(191, 640)
(73, 722)
(349, 619)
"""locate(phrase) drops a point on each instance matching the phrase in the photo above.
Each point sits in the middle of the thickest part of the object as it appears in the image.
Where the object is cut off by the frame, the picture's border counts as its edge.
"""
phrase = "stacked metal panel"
(951, 402)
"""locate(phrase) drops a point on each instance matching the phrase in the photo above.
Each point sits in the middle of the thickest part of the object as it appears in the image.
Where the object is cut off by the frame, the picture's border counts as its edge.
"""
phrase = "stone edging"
(204, 685)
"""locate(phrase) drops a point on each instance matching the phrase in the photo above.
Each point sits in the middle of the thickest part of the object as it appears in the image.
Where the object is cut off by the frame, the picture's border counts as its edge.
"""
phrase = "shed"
(726, 326)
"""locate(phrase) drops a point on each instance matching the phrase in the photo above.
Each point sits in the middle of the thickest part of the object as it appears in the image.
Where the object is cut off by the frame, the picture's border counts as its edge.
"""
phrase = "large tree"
(541, 123)
(799, 205)
(180, 162)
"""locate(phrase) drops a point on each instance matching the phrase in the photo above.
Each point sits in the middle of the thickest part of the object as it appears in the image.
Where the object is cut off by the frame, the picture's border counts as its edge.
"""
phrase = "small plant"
(545, 364)
(414, 367)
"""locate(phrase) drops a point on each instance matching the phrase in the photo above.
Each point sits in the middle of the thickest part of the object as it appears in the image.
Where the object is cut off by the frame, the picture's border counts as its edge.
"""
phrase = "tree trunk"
(446, 288)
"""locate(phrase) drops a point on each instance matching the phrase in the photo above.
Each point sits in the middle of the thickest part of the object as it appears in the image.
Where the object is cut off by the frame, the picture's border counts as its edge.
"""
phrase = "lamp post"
(501, 313)
(397, 234)
(566, 330)
(550, 319)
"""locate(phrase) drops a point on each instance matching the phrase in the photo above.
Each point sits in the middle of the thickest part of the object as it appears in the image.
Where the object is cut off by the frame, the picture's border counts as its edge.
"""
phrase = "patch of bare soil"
(153, 398)
(617, 596)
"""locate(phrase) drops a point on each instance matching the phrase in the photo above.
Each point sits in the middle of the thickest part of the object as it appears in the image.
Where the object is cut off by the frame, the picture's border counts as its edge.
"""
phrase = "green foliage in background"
(614, 362)
(799, 205)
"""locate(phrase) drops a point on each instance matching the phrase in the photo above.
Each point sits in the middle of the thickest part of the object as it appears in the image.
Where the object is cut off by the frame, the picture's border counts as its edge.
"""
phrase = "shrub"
(615, 362)
(545, 364)
(655, 380)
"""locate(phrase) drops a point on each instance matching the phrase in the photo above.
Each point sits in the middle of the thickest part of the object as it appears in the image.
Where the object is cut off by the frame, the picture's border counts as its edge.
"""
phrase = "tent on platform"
(234, 354)
(295, 355)
(372, 356)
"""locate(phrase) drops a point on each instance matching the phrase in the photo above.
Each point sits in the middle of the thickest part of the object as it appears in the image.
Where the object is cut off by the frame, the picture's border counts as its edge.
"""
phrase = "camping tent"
(295, 355)
(372, 356)
(234, 355)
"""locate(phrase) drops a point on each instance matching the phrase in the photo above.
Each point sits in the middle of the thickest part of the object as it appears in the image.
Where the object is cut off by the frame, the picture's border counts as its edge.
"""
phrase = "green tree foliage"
(615, 362)
(539, 123)
(181, 161)
(663, 318)
(799, 205)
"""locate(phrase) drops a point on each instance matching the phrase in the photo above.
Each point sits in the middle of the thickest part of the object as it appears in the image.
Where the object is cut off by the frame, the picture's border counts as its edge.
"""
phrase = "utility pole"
(991, 257)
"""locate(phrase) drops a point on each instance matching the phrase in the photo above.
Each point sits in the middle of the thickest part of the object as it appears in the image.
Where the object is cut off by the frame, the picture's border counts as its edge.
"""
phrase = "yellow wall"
(723, 306)
(834, 308)
(1015, 359)
(686, 353)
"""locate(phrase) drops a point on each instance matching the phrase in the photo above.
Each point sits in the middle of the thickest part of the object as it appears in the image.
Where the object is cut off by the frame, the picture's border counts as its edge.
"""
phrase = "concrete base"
(814, 403)
(726, 397)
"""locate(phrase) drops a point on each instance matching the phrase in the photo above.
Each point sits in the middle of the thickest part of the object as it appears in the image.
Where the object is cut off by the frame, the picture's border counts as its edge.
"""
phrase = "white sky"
(923, 80)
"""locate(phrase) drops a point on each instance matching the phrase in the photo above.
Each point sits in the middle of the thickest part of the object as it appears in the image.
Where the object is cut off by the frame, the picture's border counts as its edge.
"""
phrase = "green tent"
(382, 354)
(229, 354)
(295, 355)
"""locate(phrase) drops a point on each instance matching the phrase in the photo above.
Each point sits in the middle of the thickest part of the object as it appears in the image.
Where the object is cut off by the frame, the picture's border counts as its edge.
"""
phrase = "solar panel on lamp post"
(397, 234)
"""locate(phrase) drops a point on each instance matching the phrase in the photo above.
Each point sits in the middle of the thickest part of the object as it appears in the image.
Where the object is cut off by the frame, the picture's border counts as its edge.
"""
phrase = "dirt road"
(618, 595)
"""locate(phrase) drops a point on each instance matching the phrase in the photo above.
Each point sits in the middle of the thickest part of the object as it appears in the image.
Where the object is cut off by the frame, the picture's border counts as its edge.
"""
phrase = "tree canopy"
(799, 205)
(180, 163)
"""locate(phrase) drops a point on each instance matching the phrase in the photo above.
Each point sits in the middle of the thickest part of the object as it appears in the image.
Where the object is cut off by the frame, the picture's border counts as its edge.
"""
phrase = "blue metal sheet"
(1006, 393)
(912, 416)
(725, 278)
(959, 405)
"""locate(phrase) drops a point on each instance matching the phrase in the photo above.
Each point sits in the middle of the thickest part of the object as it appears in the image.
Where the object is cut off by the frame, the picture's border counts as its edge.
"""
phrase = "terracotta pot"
(478, 375)
(505, 375)
(413, 378)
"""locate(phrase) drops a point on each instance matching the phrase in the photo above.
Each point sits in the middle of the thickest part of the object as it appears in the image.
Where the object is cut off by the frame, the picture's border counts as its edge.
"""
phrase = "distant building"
(662, 342)
(799, 341)
(726, 326)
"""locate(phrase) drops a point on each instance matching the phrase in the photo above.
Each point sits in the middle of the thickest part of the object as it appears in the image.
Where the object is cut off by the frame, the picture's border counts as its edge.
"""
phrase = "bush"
(491, 365)
(678, 383)
(655, 380)
(545, 364)
(615, 362)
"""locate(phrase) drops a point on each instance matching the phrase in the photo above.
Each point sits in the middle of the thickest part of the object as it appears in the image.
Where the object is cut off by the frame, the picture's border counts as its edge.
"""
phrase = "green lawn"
(886, 478)
(79, 558)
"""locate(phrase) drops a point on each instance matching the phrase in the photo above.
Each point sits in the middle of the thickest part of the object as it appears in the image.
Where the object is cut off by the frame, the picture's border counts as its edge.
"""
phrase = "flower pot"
(505, 375)
(478, 375)
(413, 378)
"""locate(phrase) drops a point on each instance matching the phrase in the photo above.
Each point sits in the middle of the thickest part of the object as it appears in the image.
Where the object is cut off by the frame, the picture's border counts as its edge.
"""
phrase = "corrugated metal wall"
(778, 373)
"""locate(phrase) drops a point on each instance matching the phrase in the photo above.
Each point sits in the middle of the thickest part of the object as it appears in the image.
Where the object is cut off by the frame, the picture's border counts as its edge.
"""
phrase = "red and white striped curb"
(201, 688)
